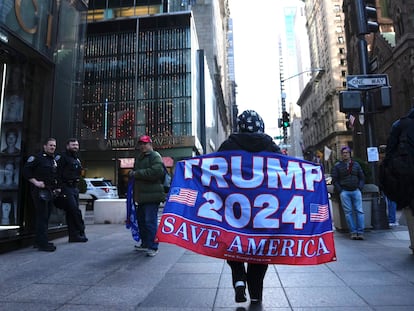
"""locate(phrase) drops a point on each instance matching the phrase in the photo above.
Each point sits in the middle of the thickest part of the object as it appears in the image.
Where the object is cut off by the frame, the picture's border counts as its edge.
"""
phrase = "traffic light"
(280, 124)
(350, 101)
(366, 16)
(285, 119)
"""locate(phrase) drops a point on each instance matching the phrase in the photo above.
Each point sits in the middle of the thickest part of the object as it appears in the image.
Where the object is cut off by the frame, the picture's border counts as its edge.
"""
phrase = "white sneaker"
(152, 252)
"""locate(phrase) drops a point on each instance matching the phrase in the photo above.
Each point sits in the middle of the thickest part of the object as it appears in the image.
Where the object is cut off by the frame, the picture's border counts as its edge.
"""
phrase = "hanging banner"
(253, 207)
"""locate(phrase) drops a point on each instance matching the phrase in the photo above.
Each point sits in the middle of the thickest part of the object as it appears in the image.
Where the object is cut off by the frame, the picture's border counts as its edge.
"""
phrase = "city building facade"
(390, 52)
(41, 48)
(323, 125)
(162, 74)
(294, 72)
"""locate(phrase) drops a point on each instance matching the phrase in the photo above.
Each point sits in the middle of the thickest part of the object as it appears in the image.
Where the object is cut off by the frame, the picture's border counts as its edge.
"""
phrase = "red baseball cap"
(145, 139)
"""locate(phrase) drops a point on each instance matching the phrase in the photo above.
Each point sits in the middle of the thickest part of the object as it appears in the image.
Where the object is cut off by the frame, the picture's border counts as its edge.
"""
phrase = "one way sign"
(366, 81)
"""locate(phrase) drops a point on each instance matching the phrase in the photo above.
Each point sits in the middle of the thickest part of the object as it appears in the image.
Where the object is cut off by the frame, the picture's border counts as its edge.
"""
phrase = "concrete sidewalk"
(108, 274)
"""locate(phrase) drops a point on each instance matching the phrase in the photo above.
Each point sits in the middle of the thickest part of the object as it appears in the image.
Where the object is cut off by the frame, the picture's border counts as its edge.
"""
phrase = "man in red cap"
(148, 193)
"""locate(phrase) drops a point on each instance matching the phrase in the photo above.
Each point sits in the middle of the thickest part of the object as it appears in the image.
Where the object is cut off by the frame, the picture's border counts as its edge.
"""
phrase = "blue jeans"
(352, 203)
(147, 214)
(392, 211)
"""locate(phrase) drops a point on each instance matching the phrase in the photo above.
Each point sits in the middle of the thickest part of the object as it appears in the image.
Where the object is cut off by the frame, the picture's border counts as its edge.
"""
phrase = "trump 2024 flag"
(255, 207)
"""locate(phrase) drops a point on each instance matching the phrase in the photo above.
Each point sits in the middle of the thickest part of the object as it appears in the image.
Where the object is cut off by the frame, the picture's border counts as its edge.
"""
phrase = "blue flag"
(255, 207)
(131, 221)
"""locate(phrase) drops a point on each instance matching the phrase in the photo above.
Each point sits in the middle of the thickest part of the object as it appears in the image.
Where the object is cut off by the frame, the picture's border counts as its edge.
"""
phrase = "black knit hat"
(250, 121)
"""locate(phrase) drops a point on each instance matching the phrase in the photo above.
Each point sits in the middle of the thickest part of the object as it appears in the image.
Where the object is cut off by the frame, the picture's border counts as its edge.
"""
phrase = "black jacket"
(43, 167)
(394, 137)
(69, 167)
(252, 142)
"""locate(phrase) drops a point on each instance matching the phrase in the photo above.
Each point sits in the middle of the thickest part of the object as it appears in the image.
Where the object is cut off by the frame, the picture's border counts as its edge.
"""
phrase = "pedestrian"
(148, 193)
(69, 171)
(391, 205)
(41, 171)
(348, 180)
(251, 138)
(403, 127)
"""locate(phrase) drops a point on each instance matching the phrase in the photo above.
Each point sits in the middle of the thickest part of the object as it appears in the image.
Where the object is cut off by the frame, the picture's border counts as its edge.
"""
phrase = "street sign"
(362, 82)
(284, 146)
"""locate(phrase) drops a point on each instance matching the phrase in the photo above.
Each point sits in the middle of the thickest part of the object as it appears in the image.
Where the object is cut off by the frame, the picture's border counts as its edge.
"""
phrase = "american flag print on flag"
(183, 195)
(319, 212)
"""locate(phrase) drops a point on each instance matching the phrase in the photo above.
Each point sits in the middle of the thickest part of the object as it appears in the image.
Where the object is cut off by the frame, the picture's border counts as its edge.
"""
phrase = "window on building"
(138, 83)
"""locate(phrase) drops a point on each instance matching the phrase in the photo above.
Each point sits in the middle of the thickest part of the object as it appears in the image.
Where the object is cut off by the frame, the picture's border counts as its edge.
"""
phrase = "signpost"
(362, 82)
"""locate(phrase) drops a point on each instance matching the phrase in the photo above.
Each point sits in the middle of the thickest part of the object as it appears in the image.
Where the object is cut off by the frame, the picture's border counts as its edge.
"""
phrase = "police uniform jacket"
(148, 173)
(43, 167)
(69, 168)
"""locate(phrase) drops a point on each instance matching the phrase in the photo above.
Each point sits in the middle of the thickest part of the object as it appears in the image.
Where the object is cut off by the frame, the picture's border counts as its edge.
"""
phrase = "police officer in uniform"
(41, 171)
(69, 170)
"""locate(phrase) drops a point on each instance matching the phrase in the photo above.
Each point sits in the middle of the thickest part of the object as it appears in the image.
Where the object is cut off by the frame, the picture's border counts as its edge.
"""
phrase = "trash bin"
(369, 194)
(379, 212)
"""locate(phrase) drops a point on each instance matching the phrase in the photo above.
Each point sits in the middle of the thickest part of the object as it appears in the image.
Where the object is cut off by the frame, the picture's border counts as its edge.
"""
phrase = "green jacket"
(148, 173)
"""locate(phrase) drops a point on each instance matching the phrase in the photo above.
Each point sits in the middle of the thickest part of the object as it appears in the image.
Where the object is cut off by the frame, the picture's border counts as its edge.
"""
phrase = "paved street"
(108, 274)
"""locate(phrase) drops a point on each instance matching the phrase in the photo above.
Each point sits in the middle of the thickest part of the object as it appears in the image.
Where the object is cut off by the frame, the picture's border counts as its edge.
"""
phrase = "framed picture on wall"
(13, 108)
(8, 208)
(9, 173)
(10, 140)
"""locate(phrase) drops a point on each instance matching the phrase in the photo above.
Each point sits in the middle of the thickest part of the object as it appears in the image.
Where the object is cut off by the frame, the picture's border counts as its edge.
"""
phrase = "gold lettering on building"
(18, 11)
(169, 140)
(120, 143)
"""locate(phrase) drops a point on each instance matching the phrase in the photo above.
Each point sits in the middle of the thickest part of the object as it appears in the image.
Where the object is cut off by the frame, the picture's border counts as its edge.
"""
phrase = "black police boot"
(78, 239)
(46, 248)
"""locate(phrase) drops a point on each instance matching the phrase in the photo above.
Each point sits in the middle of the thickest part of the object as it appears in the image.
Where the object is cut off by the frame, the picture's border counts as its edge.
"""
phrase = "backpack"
(402, 161)
(397, 174)
(167, 180)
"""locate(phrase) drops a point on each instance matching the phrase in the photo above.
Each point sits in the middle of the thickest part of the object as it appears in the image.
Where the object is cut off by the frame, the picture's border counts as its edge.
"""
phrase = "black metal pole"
(368, 109)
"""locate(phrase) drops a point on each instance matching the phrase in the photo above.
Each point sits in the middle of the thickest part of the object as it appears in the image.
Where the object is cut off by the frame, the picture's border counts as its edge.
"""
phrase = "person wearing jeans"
(392, 212)
(147, 217)
(348, 180)
(349, 200)
(148, 192)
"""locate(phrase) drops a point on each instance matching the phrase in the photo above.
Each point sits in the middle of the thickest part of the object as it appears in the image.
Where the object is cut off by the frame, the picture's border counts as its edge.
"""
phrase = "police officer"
(41, 171)
(69, 171)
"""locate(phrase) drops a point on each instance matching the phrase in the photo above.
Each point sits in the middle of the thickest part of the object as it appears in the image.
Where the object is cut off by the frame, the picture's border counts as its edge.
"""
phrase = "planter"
(84, 200)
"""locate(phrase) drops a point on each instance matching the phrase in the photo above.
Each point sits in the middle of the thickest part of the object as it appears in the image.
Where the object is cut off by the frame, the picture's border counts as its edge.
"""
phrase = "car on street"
(101, 188)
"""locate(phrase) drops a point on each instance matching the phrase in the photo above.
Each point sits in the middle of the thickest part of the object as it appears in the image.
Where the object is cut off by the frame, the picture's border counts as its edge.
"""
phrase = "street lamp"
(284, 122)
